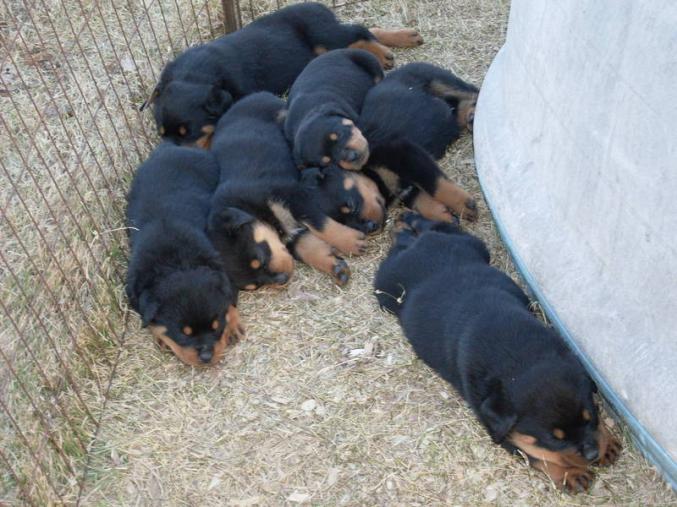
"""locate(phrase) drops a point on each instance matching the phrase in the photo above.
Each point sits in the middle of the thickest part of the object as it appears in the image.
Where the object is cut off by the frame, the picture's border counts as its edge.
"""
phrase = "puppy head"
(186, 310)
(186, 113)
(325, 137)
(253, 254)
(550, 413)
(348, 197)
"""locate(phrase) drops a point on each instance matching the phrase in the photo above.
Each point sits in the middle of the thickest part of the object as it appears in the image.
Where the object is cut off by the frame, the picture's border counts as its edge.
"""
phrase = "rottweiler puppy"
(198, 86)
(471, 323)
(409, 119)
(324, 103)
(260, 196)
(175, 279)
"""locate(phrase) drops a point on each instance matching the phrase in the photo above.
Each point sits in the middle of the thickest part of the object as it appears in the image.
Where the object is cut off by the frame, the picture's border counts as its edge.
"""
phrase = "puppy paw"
(387, 60)
(469, 210)
(346, 239)
(412, 38)
(403, 38)
(611, 451)
(353, 242)
(340, 272)
(234, 331)
(577, 480)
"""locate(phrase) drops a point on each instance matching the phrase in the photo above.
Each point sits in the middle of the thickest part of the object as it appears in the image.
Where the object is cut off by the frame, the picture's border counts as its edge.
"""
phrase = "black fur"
(471, 323)
(330, 89)
(198, 86)
(257, 173)
(175, 277)
(409, 122)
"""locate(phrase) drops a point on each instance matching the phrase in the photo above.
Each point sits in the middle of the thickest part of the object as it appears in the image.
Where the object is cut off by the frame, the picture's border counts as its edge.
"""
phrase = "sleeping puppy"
(175, 279)
(260, 197)
(324, 104)
(198, 86)
(471, 323)
(409, 119)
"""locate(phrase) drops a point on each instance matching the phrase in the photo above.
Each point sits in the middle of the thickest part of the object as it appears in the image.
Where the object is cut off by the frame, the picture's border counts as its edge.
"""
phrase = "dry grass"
(324, 403)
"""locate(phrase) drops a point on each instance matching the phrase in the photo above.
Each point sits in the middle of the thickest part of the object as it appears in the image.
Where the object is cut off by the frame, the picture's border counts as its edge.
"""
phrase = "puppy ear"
(497, 413)
(218, 101)
(148, 308)
(229, 219)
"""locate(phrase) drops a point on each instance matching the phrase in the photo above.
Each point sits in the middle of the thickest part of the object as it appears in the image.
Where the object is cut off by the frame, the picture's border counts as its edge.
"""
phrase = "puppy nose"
(590, 452)
(351, 156)
(370, 226)
(281, 278)
(206, 355)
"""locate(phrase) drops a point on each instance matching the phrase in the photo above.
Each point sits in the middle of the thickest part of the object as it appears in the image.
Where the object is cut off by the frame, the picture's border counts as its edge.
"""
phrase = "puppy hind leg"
(412, 163)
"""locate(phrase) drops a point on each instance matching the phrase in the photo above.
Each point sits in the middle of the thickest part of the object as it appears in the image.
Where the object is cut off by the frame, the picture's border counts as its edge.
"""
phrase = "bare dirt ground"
(324, 403)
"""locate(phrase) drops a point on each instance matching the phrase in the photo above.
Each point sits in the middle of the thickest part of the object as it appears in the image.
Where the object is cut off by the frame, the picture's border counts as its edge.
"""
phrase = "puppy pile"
(245, 183)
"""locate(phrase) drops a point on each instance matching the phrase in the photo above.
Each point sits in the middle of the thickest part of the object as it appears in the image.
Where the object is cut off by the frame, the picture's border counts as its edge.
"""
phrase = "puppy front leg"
(316, 253)
(571, 479)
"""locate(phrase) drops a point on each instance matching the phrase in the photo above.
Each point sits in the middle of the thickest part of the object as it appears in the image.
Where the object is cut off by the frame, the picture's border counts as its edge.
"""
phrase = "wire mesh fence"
(72, 76)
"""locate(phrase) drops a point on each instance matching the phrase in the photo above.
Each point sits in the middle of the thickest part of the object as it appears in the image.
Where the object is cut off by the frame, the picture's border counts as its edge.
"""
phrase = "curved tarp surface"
(576, 147)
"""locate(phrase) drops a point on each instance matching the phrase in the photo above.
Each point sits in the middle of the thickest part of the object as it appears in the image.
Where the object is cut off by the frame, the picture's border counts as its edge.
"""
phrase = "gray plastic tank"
(576, 149)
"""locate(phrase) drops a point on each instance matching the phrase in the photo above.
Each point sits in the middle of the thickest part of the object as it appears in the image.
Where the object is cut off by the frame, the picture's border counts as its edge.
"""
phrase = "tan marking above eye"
(255, 264)
(348, 183)
(333, 136)
(215, 325)
(187, 330)
(250, 286)
(345, 210)
(162, 131)
(586, 415)
(183, 130)
(325, 160)
(346, 121)
(207, 129)
(559, 434)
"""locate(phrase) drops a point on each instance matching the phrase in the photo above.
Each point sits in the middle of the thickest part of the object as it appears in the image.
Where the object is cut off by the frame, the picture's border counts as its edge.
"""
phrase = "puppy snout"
(206, 354)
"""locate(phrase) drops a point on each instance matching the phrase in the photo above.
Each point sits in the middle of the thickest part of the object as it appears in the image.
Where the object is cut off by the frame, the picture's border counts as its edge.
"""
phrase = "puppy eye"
(558, 433)
(187, 330)
(345, 209)
(215, 324)
(325, 160)
(162, 130)
(333, 136)
(255, 264)
(183, 130)
(586, 415)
